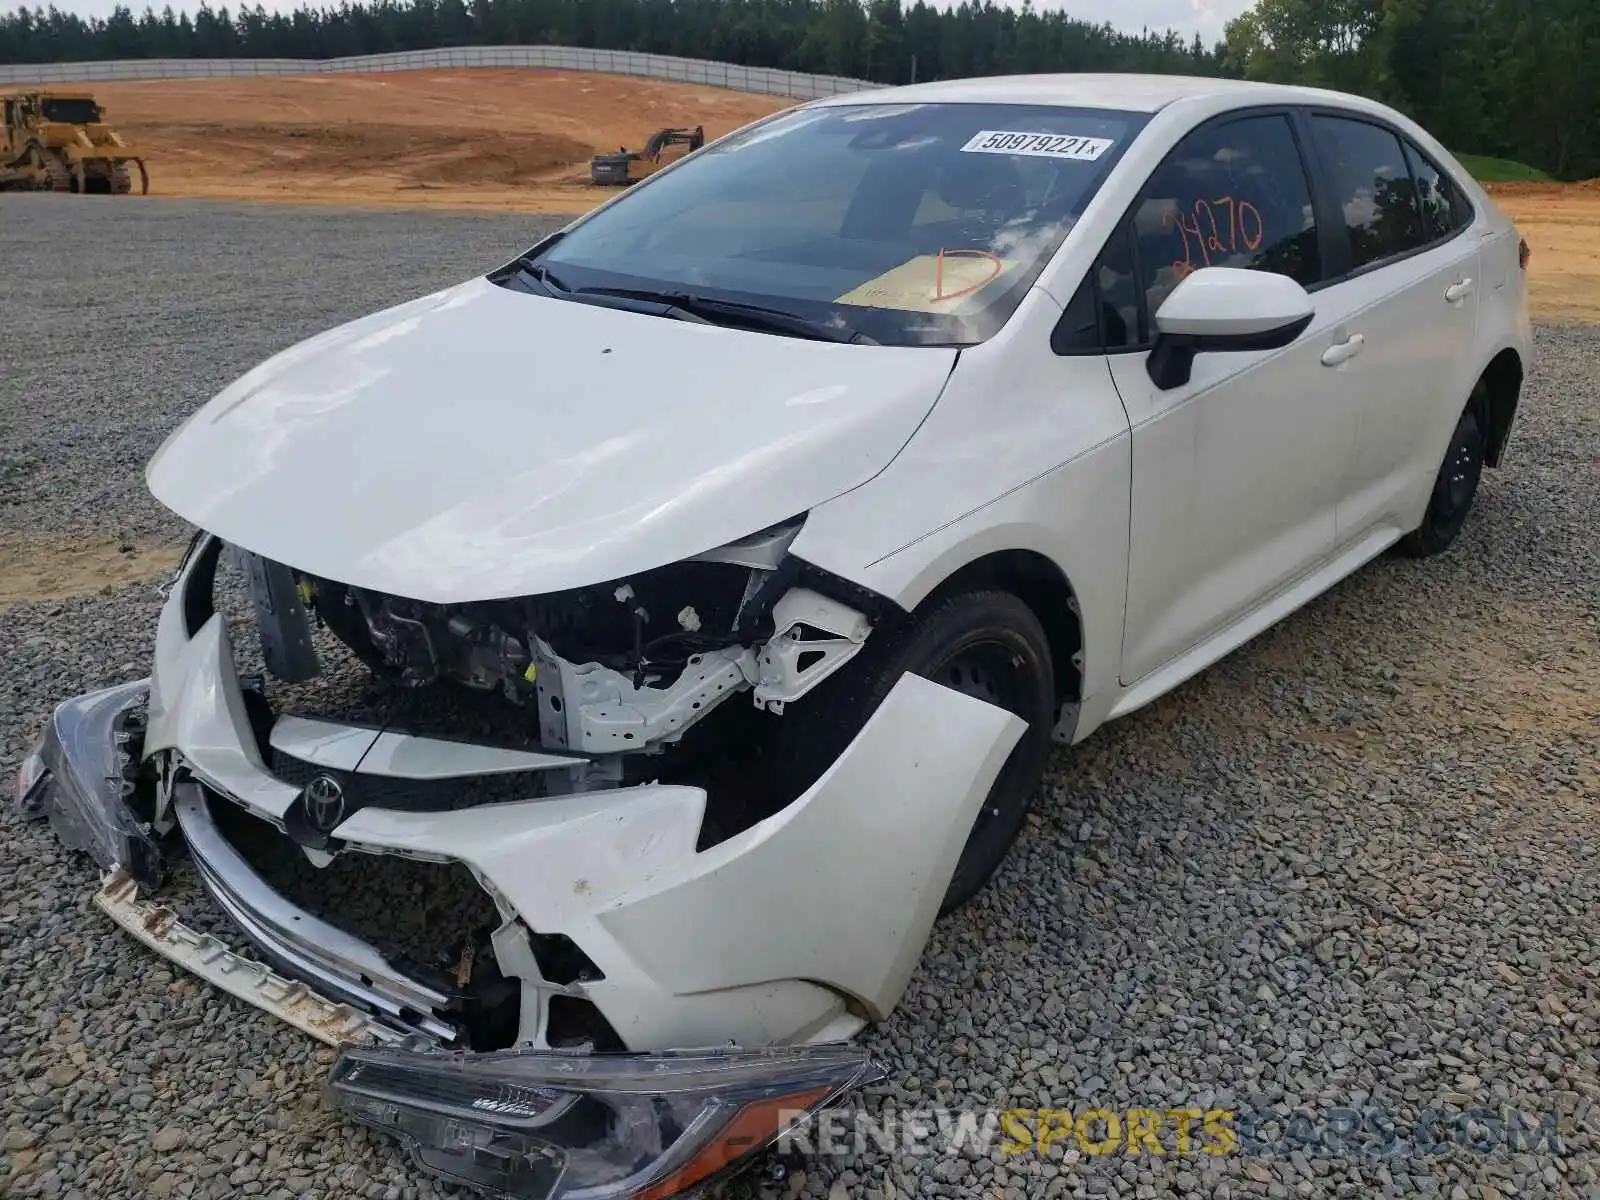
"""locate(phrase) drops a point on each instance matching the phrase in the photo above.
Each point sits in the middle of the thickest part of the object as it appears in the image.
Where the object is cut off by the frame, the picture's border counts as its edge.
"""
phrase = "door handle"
(1457, 292)
(1343, 352)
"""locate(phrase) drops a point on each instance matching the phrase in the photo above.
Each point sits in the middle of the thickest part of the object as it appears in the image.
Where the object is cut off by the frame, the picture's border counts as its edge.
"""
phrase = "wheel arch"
(1502, 378)
(1043, 586)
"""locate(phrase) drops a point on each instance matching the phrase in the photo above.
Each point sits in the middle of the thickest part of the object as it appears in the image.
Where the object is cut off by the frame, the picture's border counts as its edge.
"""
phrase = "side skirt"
(1307, 588)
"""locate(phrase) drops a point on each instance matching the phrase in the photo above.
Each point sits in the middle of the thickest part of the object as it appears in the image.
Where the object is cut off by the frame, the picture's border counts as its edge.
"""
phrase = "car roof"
(1129, 93)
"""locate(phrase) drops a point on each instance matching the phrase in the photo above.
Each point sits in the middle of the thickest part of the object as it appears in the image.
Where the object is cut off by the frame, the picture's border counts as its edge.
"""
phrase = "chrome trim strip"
(342, 966)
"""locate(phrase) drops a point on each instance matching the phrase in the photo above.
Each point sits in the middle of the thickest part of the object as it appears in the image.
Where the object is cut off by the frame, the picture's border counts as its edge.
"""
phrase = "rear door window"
(1444, 209)
(1233, 194)
(1373, 187)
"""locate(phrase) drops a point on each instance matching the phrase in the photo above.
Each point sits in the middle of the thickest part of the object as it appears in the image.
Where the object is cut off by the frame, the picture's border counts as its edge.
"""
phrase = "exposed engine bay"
(620, 668)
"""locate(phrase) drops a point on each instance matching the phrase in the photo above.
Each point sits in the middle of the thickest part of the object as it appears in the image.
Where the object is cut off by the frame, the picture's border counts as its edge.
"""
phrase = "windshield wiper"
(643, 302)
(754, 316)
(701, 310)
(540, 274)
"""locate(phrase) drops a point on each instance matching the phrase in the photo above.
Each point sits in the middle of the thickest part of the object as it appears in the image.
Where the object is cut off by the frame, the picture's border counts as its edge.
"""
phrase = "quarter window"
(1373, 187)
(1229, 195)
(1104, 315)
(1121, 317)
(1078, 330)
(1444, 208)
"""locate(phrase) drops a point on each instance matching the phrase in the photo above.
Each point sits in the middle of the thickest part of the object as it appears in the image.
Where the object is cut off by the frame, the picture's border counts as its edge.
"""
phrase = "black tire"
(1456, 484)
(986, 643)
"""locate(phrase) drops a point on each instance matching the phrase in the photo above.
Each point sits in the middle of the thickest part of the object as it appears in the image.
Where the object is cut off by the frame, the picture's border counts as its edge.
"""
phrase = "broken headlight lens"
(82, 783)
(545, 1125)
(31, 776)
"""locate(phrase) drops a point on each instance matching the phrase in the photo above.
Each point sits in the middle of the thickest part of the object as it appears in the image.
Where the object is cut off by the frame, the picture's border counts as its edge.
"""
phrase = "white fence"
(570, 58)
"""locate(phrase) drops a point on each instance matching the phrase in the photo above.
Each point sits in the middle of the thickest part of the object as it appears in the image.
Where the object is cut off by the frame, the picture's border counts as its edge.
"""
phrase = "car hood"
(481, 443)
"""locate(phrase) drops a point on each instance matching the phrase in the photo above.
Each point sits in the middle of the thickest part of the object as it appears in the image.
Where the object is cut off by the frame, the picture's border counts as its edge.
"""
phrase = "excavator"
(630, 166)
(59, 142)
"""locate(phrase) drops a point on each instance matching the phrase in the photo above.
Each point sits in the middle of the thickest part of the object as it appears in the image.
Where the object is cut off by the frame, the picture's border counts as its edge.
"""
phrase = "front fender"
(1024, 450)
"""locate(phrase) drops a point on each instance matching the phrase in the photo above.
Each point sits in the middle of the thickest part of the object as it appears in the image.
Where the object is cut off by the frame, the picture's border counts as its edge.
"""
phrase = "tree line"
(1516, 79)
(1508, 78)
(878, 40)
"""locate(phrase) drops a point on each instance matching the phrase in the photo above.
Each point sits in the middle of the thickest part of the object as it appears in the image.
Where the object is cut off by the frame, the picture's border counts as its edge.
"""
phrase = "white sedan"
(785, 506)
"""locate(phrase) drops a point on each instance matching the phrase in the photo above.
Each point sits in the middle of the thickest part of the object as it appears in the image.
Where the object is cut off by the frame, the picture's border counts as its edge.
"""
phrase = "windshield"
(911, 224)
(73, 112)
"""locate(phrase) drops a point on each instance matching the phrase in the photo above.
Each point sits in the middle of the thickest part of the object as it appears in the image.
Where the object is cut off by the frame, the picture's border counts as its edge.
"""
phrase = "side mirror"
(1224, 309)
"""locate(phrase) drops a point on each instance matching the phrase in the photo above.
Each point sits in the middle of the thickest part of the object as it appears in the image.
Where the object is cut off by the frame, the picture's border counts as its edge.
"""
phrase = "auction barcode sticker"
(1039, 145)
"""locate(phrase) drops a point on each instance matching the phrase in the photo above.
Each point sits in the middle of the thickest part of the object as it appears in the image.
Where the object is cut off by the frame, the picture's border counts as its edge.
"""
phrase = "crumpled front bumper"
(801, 928)
(333, 986)
(790, 935)
(523, 1124)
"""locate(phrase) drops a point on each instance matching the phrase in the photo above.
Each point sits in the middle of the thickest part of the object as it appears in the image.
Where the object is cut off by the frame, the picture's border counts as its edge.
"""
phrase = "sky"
(1207, 17)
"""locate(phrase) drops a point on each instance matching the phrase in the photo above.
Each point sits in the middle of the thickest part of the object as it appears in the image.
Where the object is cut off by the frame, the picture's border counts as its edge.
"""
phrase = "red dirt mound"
(506, 139)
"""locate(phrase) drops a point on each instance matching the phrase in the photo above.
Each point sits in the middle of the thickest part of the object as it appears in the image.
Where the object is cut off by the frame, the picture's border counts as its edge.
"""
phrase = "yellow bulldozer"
(630, 166)
(59, 142)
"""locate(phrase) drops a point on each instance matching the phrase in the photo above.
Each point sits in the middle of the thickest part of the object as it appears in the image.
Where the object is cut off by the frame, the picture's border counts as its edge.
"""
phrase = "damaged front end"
(611, 670)
(653, 882)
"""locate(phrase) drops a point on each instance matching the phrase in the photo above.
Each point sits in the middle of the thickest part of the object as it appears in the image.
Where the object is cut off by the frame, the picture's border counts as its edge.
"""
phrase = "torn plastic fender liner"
(281, 619)
(839, 888)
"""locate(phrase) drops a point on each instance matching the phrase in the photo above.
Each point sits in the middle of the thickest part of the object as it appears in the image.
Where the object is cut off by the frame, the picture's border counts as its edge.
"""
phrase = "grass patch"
(1501, 170)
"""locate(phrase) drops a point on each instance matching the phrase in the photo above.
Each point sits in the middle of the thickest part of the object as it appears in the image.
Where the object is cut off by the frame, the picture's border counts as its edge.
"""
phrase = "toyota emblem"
(324, 798)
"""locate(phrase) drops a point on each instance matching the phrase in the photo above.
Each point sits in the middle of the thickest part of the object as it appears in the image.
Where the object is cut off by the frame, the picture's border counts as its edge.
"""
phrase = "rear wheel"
(987, 644)
(1456, 484)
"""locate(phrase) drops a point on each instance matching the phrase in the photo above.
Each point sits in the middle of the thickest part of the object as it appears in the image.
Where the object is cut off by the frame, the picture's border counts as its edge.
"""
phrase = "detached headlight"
(539, 1125)
(79, 776)
(32, 776)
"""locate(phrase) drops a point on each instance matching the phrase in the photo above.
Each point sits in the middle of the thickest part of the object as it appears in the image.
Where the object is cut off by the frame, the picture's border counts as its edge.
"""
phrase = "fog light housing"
(549, 1125)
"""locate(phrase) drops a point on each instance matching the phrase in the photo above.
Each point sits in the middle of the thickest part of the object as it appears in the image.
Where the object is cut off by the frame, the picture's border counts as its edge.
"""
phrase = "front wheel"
(1456, 484)
(984, 643)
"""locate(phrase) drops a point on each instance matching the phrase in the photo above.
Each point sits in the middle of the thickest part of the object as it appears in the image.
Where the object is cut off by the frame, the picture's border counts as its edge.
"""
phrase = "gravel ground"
(1353, 866)
(110, 318)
